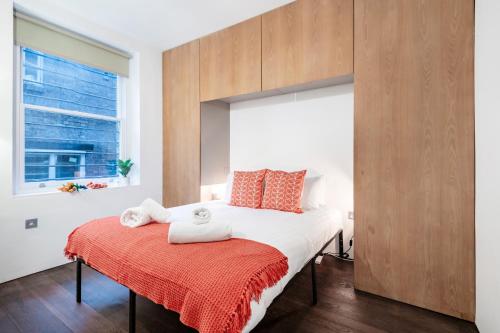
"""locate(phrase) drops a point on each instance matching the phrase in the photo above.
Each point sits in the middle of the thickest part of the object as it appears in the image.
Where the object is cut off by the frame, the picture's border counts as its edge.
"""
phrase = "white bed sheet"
(298, 236)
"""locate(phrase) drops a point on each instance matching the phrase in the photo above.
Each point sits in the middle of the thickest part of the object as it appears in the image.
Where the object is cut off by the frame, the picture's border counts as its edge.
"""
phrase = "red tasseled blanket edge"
(265, 278)
(67, 253)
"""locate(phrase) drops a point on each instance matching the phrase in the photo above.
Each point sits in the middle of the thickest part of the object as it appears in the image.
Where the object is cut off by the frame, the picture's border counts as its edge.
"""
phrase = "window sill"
(55, 191)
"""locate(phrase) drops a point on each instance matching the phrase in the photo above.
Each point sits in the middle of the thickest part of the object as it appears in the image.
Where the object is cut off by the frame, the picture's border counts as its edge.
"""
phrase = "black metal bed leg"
(131, 311)
(313, 278)
(341, 243)
(79, 280)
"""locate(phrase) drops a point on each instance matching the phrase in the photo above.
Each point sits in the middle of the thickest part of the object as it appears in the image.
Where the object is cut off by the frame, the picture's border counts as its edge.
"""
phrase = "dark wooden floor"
(45, 302)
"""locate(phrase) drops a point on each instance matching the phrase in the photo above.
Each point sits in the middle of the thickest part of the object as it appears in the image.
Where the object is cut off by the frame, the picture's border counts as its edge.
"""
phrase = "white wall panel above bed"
(311, 129)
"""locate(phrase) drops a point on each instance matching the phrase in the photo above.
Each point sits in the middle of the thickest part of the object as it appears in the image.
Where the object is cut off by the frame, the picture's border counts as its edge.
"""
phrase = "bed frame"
(133, 296)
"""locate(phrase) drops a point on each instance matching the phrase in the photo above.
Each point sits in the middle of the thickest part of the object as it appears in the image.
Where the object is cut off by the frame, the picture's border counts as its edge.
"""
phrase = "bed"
(300, 237)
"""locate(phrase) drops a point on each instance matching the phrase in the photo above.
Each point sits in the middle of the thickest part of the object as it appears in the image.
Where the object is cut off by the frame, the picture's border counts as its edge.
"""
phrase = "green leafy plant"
(125, 166)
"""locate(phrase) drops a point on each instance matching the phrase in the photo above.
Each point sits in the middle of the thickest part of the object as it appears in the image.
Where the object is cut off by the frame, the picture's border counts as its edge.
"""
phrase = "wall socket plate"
(31, 223)
(350, 215)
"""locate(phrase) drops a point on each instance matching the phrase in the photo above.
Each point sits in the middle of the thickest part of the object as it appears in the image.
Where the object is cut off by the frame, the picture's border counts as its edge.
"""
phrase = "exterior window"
(69, 121)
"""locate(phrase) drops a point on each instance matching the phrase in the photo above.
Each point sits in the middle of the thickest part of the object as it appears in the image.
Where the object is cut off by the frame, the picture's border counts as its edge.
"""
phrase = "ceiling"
(167, 23)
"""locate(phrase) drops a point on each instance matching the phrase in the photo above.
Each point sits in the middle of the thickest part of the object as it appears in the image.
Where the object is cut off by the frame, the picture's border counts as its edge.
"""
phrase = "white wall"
(310, 129)
(27, 251)
(487, 72)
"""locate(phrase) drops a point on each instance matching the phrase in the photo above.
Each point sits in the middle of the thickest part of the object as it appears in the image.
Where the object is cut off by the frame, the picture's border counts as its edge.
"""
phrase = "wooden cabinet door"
(305, 41)
(181, 125)
(414, 152)
(230, 61)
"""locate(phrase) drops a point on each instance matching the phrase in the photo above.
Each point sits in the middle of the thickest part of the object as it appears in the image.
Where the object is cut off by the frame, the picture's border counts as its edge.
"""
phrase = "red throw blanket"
(210, 285)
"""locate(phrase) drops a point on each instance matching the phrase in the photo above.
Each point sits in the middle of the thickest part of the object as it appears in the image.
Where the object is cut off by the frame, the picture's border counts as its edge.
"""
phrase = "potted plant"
(124, 168)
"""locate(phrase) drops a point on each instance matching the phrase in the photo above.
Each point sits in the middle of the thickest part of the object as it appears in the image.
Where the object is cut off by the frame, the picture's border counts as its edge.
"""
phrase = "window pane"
(31, 57)
(32, 74)
(55, 82)
(68, 166)
(38, 169)
(73, 147)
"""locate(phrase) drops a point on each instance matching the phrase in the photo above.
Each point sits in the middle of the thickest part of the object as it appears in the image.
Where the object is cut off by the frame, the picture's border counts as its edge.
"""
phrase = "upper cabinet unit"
(230, 61)
(305, 41)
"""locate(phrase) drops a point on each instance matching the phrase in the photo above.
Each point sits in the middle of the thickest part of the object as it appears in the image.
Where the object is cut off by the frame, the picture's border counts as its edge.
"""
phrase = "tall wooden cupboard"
(181, 125)
(414, 152)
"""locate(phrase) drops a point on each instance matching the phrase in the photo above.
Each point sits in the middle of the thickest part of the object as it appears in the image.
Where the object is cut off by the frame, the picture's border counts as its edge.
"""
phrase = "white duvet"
(297, 236)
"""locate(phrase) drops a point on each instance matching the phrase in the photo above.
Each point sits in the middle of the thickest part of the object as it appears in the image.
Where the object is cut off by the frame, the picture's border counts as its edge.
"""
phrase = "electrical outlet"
(31, 223)
(350, 215)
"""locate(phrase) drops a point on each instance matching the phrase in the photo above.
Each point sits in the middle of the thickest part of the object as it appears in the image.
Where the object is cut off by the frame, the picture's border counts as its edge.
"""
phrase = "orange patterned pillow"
(284, 190)
(247, 188)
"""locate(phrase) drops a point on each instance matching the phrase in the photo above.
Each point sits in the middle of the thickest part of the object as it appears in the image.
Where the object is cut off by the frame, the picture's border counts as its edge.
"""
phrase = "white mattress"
(297, 236)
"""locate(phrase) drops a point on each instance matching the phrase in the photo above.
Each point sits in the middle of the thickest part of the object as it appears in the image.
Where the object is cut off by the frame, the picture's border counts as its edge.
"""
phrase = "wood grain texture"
(25, 306)
(305, 41)
(181, 125)
(230, 61)
(414, 152)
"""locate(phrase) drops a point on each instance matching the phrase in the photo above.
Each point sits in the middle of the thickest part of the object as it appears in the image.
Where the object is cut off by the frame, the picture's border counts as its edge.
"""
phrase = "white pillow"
(313, 195)
(229, 187)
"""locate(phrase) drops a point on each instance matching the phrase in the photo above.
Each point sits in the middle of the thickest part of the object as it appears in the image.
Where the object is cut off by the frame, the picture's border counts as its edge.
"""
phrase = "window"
(69, 121)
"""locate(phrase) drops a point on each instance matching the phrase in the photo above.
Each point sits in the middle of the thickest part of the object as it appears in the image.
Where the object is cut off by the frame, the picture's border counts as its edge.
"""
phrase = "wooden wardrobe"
(414, 152)
(413, 135)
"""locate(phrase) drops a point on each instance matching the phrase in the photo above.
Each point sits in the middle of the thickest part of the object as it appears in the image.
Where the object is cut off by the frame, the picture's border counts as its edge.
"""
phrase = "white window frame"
(23, 187)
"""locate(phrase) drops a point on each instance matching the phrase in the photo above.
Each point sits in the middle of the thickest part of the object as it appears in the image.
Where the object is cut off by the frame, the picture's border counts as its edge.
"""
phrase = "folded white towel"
(134, 217)
(185, 232)
(156, 211)
(201, 215)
